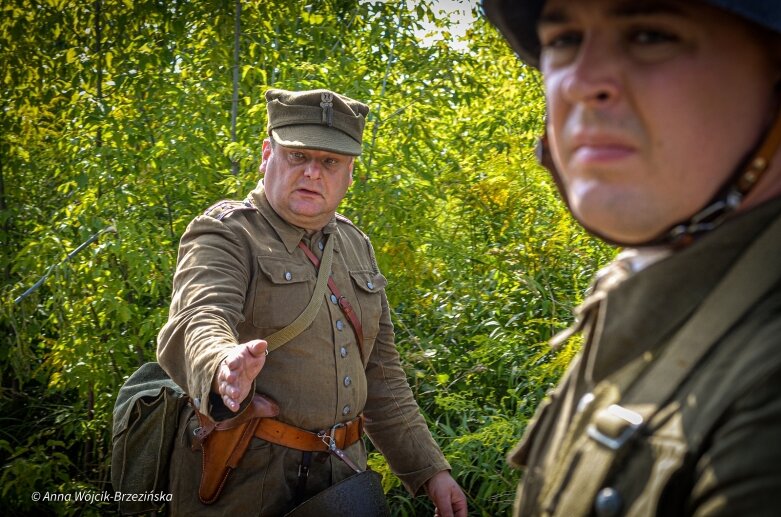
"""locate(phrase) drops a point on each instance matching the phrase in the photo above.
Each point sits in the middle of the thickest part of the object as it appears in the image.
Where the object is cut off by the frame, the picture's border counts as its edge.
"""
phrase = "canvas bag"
(146, 416)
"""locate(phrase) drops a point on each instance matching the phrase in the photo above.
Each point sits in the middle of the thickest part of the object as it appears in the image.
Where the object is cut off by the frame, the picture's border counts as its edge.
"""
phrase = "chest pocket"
(282, 291)
(655, 465)
(368, 288)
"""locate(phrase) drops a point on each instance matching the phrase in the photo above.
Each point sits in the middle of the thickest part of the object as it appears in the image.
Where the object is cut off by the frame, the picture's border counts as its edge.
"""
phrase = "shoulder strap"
(282, 336)
(755, 274)
(226, 207)
(612, 427)
(369, 247)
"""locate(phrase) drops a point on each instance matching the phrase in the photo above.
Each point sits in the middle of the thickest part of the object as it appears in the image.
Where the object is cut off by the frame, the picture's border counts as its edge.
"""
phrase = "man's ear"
(265, 154)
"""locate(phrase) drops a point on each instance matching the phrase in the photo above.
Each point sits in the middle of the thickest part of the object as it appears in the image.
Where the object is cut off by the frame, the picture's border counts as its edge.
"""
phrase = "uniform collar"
(642, 311)
(289, 234)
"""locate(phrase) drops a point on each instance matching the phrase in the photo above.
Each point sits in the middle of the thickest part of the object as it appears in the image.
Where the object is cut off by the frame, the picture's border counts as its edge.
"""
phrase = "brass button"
(288, 276)
(347, 381)
(346, 410)
(343, 351)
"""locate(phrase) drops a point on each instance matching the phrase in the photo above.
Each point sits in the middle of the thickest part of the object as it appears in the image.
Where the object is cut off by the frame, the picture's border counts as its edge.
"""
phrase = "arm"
(209, 289)
(396, 427)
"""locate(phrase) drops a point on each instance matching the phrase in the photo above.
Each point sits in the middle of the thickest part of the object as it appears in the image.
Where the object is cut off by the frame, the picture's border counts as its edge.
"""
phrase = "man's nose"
(594, 77)
(312, 170)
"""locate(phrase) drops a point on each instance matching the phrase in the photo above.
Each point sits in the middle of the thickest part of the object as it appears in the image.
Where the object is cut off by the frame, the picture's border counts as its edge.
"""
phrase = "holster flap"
(225, 444)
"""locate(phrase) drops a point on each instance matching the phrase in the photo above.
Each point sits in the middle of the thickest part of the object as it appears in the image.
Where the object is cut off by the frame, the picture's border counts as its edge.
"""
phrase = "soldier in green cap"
(663, 136)
(246, 271)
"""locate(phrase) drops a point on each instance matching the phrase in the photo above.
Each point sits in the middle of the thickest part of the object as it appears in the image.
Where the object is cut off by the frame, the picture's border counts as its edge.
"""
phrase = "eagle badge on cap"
(327, 104)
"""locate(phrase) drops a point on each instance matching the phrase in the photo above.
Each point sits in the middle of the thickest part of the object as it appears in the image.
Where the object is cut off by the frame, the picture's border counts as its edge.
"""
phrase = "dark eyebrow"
(627, 9)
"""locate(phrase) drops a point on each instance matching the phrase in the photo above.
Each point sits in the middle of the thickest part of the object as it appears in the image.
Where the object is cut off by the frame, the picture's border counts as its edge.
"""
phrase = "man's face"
(304, 186)
(652, 105)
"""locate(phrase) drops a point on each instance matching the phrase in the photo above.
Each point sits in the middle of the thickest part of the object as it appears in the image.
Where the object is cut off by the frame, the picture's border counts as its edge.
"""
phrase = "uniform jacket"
(717, 448)
(241, 276)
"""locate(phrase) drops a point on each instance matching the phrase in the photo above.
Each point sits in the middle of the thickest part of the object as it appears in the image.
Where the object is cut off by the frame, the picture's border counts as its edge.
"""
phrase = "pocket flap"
(280, 271)
(369, 281)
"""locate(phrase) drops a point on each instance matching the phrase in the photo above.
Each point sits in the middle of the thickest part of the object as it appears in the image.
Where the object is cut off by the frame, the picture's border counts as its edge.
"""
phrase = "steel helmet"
(517, 22)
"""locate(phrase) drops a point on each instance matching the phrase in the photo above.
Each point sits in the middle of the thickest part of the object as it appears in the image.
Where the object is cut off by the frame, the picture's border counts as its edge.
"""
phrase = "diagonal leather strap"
(343, 302)
(282, 336)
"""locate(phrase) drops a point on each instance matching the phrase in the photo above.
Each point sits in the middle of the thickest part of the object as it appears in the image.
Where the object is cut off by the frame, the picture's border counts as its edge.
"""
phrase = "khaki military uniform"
(714, 447)
(240, 276)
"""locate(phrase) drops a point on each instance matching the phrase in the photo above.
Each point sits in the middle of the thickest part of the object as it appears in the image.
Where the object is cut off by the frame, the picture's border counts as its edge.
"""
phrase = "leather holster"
(224, 444)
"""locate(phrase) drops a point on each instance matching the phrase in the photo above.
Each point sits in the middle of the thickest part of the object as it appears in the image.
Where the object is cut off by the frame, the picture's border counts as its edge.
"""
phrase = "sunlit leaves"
(131, 129)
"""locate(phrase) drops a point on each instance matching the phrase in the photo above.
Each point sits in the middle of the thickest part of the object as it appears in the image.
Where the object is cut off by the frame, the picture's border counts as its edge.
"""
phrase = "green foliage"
(117, 114)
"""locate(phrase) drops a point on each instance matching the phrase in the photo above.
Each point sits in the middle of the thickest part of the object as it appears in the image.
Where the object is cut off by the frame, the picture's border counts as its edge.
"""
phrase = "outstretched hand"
(234, 377)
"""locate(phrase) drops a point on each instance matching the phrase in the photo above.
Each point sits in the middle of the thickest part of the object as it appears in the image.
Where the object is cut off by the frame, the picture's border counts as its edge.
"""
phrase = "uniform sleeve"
(209, 289)
(739, 474)
(393, 420)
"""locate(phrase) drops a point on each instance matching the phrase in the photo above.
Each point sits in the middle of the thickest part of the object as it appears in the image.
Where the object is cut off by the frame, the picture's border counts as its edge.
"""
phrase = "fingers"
(447, 496)
(238, 371)
(231, 403)
(257, 347)
(251, 349)
(459, 504)
(457, 501)
(445, 512)
(230, 388)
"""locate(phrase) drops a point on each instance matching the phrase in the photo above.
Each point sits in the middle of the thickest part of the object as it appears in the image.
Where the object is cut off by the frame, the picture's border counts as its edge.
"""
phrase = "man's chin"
(622, 227)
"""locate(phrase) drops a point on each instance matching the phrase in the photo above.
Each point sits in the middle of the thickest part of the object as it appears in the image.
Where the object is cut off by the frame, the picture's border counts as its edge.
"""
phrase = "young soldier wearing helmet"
(663, 135)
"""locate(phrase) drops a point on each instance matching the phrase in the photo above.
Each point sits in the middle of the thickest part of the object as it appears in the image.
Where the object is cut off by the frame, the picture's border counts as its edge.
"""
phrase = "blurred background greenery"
(136, 115)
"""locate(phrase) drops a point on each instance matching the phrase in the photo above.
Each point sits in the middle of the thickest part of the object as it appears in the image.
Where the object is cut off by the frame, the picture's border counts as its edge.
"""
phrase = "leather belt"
(280, 433)
(224, 443)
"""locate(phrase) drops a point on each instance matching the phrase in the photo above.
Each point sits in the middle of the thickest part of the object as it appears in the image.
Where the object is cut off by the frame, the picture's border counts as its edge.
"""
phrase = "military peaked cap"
(316, 119)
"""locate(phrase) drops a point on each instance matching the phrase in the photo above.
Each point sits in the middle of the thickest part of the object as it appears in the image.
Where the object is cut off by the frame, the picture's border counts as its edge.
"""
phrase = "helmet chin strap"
(719, 208)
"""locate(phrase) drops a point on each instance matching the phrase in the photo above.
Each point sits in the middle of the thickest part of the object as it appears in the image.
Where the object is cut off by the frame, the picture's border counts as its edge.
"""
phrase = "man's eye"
(330, 162)
(561, 41)
(296, 156)
(652, 37)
